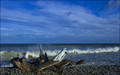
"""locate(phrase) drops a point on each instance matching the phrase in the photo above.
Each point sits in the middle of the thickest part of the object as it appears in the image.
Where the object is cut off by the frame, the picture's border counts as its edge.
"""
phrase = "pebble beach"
(69, 70)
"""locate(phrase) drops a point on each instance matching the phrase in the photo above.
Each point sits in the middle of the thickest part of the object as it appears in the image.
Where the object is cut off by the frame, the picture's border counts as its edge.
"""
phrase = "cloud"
(21, 16)
(57, 19)
(68, 13)
(7, 35)
(6, 29)
(113, 3)
(76, 13)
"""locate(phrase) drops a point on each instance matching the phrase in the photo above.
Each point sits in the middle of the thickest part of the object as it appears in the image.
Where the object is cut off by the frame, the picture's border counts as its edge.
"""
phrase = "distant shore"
(71, 70)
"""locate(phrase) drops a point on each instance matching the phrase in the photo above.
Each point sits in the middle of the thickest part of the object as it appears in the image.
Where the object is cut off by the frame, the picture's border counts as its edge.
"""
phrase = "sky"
(63, 21)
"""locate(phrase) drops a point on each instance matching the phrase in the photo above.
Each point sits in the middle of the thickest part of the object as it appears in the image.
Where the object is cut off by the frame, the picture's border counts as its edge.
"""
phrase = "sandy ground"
(71, 70)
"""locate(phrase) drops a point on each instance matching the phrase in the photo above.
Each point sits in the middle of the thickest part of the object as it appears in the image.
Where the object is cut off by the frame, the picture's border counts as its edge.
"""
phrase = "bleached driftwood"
(57, 61)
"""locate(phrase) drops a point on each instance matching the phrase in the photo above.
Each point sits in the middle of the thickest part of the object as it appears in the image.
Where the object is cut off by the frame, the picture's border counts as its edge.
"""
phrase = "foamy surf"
(8, 55)
(8, 65)
(98, 50)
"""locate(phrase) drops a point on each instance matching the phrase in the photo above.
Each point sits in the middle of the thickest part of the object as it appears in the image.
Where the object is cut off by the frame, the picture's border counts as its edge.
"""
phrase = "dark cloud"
(68, 13)
(113, 3)
(75, 21)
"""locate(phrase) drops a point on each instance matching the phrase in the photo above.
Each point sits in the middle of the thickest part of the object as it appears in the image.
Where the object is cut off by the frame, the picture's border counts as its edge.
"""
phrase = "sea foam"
(8, 55)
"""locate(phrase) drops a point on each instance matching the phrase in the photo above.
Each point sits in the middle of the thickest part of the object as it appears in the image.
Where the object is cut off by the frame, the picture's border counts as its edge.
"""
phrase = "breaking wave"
(8, 55)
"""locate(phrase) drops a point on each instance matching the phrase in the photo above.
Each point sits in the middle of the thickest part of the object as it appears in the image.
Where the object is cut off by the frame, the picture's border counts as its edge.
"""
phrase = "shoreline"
(68, 70)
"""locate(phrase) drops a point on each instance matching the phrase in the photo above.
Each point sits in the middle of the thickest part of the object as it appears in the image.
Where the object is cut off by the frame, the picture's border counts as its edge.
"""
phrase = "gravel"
(70, 70)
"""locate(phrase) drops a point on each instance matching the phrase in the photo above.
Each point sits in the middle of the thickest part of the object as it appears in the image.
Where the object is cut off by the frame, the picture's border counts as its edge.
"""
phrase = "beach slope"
(70, 70)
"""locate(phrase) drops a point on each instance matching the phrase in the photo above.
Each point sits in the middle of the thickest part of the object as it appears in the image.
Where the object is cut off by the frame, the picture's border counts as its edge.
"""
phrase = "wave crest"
(99, 50)
(8, 55)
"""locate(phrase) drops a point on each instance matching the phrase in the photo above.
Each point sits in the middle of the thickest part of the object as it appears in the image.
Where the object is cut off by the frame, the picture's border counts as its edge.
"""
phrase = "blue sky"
(60, 21)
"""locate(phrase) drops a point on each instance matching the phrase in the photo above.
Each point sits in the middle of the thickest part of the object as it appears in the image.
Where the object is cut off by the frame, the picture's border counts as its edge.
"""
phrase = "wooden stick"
(41, 52)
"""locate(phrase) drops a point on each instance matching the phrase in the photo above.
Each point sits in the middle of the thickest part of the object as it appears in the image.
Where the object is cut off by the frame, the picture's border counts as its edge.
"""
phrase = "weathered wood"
(28, 67)
(66, 62)
(42, 64)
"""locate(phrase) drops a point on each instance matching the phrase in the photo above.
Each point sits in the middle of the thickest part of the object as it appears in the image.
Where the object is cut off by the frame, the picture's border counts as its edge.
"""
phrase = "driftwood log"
(30, 67)
(43, 62)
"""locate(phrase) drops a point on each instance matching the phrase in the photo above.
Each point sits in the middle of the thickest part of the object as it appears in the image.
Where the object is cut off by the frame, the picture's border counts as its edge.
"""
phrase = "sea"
(93, 54)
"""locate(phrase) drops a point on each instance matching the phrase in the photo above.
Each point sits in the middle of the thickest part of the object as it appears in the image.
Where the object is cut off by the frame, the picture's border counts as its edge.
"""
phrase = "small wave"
(99, 50)
(8, 55)
(8, 65)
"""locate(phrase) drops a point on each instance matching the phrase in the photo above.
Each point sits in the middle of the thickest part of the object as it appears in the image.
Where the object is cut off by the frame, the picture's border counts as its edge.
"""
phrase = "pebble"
(74, 70)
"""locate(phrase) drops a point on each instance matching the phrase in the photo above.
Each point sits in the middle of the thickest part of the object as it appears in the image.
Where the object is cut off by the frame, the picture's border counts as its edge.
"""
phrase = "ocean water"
(93, 54)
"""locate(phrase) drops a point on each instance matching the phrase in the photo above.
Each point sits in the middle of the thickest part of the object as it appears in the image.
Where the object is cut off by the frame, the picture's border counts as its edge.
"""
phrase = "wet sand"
(71, 70)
